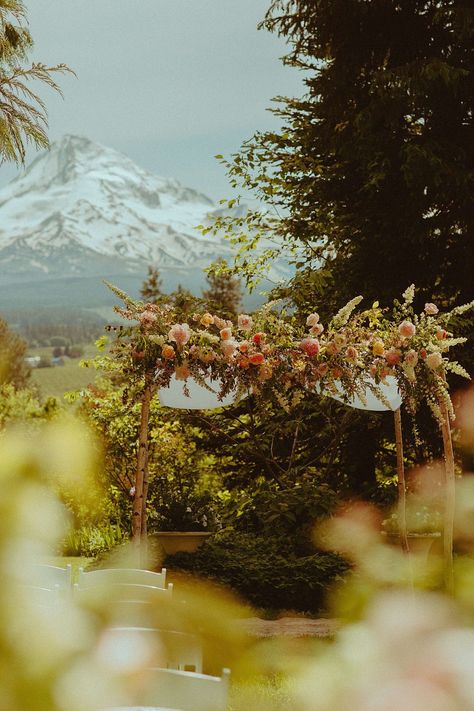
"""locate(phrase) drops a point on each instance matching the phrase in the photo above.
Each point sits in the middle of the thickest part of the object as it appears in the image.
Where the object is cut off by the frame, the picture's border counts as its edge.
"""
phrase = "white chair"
(112, 576)
(125, 592)
(48, 576)
(186, 690)
(40, 597)
(176, 650)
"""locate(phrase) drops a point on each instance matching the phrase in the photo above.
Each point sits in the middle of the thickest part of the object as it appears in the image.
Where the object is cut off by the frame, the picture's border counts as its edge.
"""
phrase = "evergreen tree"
(223, 295)
(373, 171)
(184, 302)
(370, 180)
(23, 117)
(151, 288)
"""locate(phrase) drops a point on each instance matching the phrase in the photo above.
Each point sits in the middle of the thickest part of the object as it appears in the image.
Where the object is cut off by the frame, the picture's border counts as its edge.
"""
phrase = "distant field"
(59, 379)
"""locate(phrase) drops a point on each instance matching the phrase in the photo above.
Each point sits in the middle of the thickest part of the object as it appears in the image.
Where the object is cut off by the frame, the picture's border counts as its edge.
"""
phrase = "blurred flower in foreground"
(411, 652)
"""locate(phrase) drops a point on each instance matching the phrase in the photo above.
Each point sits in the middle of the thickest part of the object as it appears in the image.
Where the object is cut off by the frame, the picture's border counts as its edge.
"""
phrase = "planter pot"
(181, 541)
(419, 543)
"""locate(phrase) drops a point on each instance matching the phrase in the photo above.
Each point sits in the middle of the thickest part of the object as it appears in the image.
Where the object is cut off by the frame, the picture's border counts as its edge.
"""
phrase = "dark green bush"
(265, 571)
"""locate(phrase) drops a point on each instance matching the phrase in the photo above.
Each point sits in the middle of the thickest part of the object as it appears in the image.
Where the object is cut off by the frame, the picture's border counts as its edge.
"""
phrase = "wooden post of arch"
(402, 520)
(141, 478)
(449, 499)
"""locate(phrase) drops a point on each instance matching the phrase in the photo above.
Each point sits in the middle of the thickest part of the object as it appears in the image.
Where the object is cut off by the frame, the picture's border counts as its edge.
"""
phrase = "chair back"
(171, 649)
(49, 576)
(114, 576)
(186, 690)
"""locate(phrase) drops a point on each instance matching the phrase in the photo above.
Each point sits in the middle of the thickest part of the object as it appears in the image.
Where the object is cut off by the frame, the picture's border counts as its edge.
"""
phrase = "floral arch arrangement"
(271, 355)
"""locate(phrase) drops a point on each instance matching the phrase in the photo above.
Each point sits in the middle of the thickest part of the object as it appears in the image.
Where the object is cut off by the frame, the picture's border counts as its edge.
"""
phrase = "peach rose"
(434, 360)
(392, 356)
(206, 320)
(317, 329)
(180, 333)
(206, 355)
(310, 346)
(351, 353)
(226, 333)
(256, 358)
(411, 358)
(407, 329)
(182, 372)
(337, 373)
(332, 348)
(168, 352)
(423, 353)
(244, 346)
(431, 309)
(312, 319)
(228, 347)
(441, 334)
(219, 322)
(245, 322)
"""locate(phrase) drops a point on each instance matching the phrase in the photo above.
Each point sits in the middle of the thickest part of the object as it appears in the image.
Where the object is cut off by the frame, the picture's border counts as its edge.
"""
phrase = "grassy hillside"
(59, 379)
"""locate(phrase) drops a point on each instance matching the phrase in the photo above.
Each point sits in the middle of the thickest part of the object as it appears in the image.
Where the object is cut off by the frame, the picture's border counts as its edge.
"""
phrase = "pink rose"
(312, 320)
(434, 360)
(310, 346)
(431, 309)
(180, 333)
(411, 358)
(407, 329)
(317, 329)
(226, 333)
(228, 347)
(245, 322)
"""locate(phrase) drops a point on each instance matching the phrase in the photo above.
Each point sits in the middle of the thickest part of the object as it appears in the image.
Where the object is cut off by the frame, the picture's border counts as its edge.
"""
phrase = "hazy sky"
(168, 82)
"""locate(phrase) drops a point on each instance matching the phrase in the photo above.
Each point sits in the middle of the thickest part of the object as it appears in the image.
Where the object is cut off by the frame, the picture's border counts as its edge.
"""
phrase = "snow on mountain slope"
(83, 209)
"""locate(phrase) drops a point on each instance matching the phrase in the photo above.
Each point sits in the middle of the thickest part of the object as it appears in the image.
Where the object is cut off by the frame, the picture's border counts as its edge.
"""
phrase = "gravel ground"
(289, 627)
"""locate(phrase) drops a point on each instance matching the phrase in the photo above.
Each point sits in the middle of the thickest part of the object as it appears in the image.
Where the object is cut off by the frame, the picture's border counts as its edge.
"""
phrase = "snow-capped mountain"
(82, 209)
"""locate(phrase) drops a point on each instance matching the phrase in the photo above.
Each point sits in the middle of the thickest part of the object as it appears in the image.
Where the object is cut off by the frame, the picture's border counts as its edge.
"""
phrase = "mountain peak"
(80, 206)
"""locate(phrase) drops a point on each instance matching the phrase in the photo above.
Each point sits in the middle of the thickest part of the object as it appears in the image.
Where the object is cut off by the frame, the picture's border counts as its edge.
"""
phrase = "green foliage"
(13, 368)
(23, 116)
(151, 288)
(290, 510)
(23, 406)
(223, 295)
(91, 541)
(265, 571)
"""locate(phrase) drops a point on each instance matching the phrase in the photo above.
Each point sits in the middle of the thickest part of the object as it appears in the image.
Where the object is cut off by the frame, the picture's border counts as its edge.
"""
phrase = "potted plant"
(424, 526)
(182, 515)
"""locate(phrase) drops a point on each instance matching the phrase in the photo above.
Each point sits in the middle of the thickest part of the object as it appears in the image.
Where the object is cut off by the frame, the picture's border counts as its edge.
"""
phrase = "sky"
(170, 83)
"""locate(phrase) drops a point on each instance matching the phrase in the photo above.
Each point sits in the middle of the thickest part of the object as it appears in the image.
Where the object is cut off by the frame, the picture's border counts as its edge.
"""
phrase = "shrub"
(265, 571)
(91, 541)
